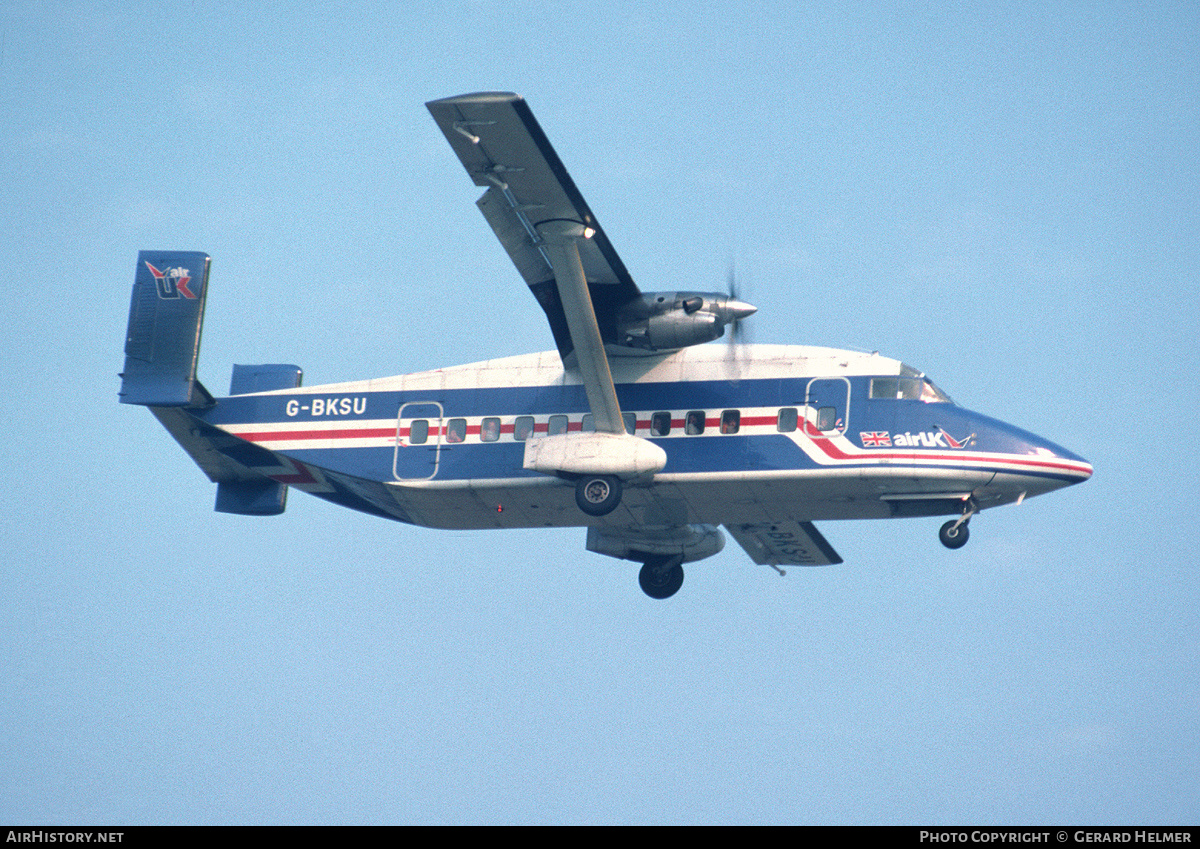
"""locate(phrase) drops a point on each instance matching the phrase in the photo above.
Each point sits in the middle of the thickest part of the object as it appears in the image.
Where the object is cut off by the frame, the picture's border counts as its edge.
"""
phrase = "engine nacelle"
(666, 321)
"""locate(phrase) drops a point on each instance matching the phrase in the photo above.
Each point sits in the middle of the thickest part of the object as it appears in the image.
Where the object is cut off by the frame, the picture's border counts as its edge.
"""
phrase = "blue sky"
(1005, 198)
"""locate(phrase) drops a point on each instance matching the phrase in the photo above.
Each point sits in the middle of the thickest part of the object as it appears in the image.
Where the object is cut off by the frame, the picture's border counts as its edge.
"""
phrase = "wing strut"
(561, 241)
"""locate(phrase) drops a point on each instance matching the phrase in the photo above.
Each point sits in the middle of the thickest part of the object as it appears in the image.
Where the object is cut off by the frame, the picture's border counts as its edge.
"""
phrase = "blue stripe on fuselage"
(709, 453)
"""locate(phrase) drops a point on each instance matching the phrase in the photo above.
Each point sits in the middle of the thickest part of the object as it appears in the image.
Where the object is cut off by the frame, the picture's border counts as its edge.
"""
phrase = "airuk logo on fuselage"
(922, 439)
(172, 282)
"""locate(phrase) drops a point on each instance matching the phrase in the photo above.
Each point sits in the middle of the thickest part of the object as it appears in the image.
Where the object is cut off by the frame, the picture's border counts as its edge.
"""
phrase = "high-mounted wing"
(551, 235)
(504, 149)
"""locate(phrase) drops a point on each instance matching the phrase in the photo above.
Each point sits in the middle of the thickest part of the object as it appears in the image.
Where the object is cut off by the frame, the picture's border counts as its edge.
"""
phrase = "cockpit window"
(908, 389)
(930, 394)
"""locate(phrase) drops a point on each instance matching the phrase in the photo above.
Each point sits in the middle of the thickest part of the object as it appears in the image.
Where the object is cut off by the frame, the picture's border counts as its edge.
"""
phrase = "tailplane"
(162, 345)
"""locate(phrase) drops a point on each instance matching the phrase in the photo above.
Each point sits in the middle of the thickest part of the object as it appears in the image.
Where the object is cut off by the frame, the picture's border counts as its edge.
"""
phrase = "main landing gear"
(598, 495)
(662, 575)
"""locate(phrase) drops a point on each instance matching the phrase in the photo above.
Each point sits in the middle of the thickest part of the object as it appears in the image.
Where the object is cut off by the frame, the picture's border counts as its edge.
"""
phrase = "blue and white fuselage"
(760, 455)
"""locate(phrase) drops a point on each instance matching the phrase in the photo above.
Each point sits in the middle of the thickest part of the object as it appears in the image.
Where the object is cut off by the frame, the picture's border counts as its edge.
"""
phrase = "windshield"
(908, 389)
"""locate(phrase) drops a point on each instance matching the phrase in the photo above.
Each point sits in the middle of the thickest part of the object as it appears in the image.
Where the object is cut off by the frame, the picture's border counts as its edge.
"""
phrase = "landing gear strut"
(598, 495)
(662, 576)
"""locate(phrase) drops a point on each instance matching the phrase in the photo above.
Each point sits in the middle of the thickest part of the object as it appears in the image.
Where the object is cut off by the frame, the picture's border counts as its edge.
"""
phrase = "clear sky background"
(1004, 197)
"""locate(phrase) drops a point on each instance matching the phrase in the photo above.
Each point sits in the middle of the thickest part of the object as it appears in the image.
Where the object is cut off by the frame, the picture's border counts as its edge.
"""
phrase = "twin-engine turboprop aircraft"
(631, 428)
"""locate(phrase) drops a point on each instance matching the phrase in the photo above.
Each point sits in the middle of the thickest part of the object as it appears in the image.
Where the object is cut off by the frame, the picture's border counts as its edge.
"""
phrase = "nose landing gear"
(954, 534)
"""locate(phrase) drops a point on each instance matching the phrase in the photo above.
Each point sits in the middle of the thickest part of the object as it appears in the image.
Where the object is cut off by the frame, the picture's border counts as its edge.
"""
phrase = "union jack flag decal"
(876, 439)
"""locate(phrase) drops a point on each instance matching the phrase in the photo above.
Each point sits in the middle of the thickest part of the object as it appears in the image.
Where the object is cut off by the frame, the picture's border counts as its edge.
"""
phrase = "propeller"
(735, 310)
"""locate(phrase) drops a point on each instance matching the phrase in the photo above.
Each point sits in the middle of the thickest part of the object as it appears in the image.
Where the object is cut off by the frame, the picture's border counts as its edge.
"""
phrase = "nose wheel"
(954, 534)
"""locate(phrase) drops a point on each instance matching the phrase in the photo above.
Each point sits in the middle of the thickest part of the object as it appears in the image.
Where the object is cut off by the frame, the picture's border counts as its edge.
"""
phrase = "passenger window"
(418, 432)
(786, 422)
(489, 429)
(693, 423)
(523, 428)
(660, 424)
(589, 423)
(456, 430)
(731, 421)
(827, 419)
(558, 425)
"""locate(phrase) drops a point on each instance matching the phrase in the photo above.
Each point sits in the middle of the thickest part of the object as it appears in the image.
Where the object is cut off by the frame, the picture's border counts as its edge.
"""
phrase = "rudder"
(162, 340)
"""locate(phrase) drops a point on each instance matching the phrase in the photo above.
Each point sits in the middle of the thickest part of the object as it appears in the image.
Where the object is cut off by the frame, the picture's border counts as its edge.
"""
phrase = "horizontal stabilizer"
(251, 498)
(236, 466)
(162, 341)
(264, 378)
(784, 544)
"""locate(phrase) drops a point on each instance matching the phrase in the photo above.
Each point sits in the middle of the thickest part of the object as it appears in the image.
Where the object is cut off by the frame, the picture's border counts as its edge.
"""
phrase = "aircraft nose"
(1037, 464)
(1072, 468)
(1080, 471)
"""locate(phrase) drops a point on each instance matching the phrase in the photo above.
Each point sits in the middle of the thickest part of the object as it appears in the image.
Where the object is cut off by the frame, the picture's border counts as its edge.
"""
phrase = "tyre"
(661, 577)
(953, 537)
(598, 495)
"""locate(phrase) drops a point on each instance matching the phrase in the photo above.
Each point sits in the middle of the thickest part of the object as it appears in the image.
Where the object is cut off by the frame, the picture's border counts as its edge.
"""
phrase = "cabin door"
(419, 428)
(828, 405)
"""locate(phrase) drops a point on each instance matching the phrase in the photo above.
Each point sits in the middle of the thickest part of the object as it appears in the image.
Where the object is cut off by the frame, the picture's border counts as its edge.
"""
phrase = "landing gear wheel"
(661, 577)
(598, 495)
(953, 537)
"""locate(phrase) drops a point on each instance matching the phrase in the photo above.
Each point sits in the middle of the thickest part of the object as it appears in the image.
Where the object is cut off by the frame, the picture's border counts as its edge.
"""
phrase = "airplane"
(631, 428)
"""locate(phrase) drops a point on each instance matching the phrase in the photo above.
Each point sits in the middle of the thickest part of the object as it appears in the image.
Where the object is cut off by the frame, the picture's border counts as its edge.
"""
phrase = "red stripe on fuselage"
(290, 435)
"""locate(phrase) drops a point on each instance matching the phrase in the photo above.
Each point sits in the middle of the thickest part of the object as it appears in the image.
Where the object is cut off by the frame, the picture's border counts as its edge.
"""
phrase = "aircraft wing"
(784, 543)
(548, 230)
(504, 149)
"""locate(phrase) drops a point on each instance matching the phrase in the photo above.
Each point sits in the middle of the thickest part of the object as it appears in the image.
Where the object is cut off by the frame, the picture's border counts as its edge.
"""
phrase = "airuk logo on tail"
(172, 282)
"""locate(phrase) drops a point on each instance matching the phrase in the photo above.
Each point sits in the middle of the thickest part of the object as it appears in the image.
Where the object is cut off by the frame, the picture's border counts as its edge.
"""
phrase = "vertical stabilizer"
(162, 342)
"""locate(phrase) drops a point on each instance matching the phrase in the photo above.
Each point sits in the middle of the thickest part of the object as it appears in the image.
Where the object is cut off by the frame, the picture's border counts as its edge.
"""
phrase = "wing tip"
(476, 98)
